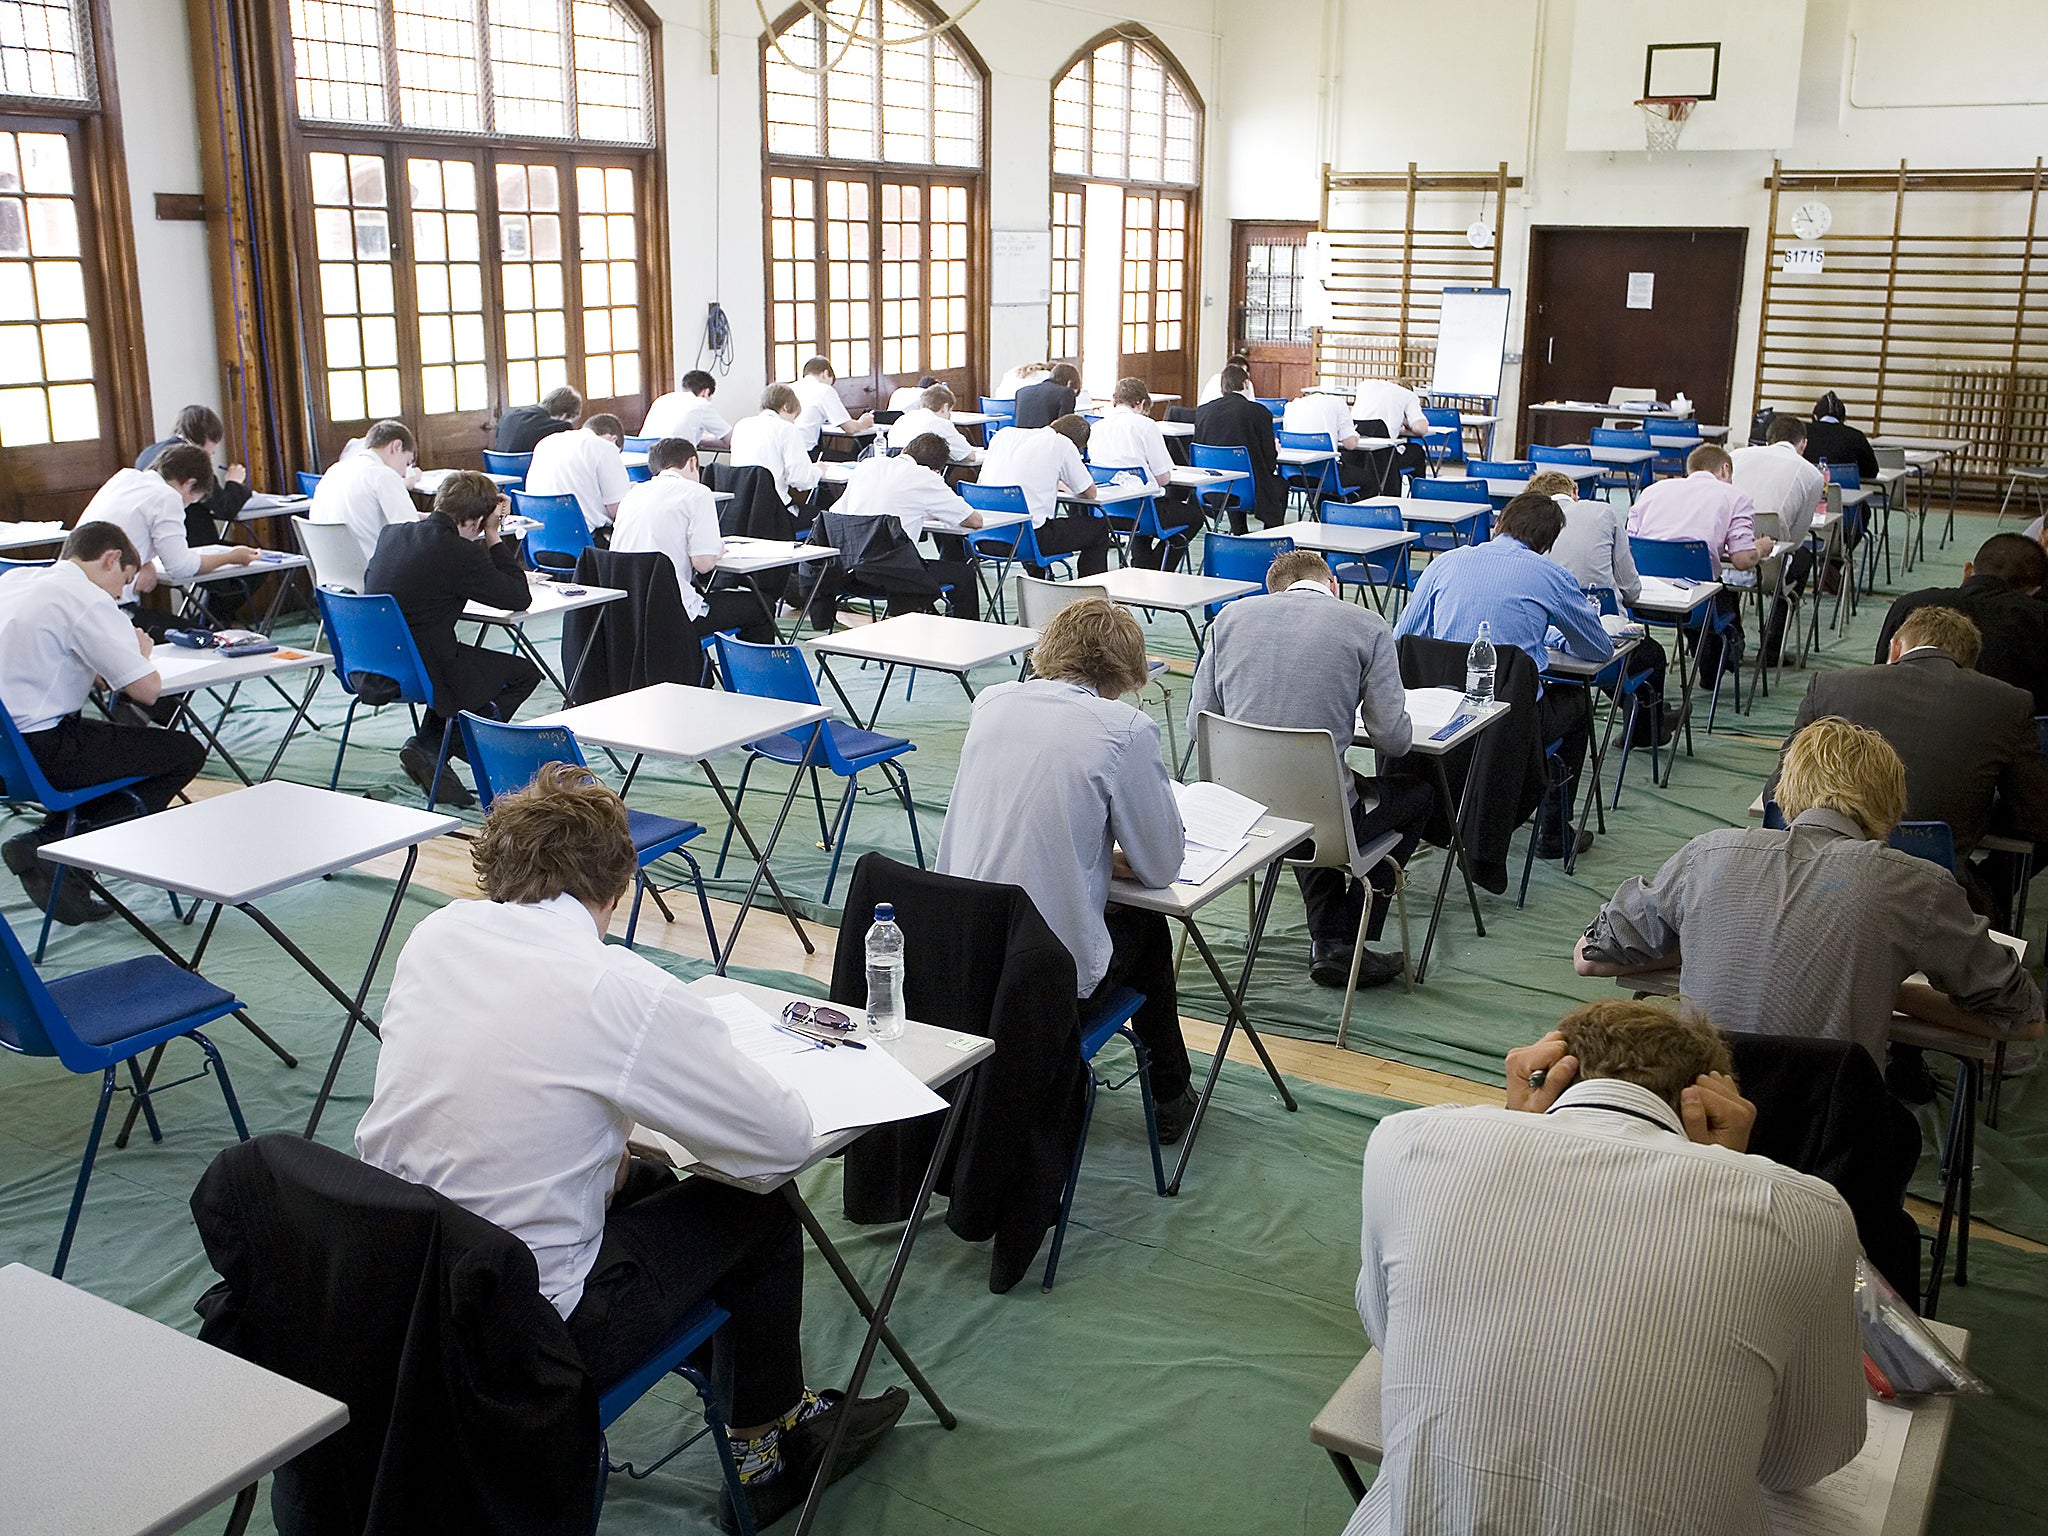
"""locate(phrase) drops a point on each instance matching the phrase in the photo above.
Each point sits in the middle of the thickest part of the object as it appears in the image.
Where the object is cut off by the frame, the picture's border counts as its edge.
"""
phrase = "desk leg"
(1455, 854)
(291, 728)
(877, 1315)
(1956, 1180)
(355, 1006)
(825, 671)
(1683, 657)
(523, 643)
(1353, 1483)
(1234, 1018)
(761, 869)
(188, 714)
(238, 1517)
(1595, 800)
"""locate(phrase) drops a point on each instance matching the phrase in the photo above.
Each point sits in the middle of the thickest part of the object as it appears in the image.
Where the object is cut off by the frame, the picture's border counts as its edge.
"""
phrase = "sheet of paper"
(1431, 709)
(1198, 863)
(842, 1087)
(1660, 593)
(1854, 1500)
(1214, 816)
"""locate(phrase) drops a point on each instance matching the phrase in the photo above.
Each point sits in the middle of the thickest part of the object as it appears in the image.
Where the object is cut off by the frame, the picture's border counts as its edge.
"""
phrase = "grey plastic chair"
(336, 557)
(1295, 774)
(1038, 601)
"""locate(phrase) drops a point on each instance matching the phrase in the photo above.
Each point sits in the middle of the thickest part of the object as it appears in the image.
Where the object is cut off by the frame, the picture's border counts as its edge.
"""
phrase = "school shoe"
(1329, 965)
(76, 904)
(1171, 1116)
(420, 769)
(1550, 846)
(19, 852)
(803, 1448)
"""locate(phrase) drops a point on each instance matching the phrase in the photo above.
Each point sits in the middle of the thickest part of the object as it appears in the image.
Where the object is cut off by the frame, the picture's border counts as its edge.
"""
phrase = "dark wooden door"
(1582, 338)
(1269, 276)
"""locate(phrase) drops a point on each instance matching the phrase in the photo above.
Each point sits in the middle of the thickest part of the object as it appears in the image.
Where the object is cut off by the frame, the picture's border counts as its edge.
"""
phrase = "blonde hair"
(1296, 565)
(778, 398)
(1711, 457)
(1663, 1049)
(1834, 764)
(1943, 628)
(1095, 643)
(564, 833)
(1553, 482)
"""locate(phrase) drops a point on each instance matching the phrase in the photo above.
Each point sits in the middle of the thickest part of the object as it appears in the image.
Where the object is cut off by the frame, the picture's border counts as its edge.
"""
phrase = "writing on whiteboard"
(1020, 266)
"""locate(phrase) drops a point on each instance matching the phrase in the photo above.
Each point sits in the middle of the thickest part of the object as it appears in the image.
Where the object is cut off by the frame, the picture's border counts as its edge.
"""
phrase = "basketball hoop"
(1663, 120)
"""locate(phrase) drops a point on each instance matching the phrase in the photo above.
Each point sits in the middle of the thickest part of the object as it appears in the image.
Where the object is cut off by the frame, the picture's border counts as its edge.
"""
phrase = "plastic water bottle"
(885, 975)
(1478, 677)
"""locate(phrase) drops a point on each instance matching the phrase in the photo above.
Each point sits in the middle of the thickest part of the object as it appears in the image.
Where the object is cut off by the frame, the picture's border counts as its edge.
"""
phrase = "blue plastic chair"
(309, 482)
(372, 640)
(24, 565)
(997, 549)
(672, 1358)
(504, 758)
(1230, 495)
(563, 533)
(1317, 482)
(1671, 460)
(1540, 453)
(638, 444)
(987, 405)
(101, 1020)
(1616, 678)
(1277, 404)
(1379, 573)
(1436, 538)
(514, 464)
(780, 672)
(1446, 437)
(1629, 477)
(1934, 841)
(1138, 519)
(1110, 1018)
(1482, 470)
(1231, 557)
(1688, 560)
(24, 782)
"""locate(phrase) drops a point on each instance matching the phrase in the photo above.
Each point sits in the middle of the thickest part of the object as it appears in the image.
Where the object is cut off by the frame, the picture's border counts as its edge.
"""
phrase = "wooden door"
(1650, 308)
(1158, 275)
(1269, 270)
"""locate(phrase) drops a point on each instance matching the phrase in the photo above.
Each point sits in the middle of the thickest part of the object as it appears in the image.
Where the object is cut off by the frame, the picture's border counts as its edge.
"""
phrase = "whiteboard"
(1471, 338)
(1020, 266)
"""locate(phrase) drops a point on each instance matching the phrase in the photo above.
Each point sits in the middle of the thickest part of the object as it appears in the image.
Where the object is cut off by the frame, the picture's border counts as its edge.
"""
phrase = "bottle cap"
(884, 913)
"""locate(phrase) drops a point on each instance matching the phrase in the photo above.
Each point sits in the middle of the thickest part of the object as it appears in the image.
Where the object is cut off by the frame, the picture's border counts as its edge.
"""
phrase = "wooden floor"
(769, 943)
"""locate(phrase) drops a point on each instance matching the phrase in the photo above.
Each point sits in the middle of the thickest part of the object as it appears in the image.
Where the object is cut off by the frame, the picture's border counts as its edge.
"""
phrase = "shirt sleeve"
(105, 640)
(178, 559)
(1956, 950)
(710, 425)
(394, 501)
(1074, 474)
(1381, 1208)
(799, 470)
(1143, 817)
(493, 576)
(1818, 1421)
(701, 533)
(1205, 697)
(612, 480)
(1418, 611)
(938, 501)
(1742, 524)
(1640, 924)
(1626, 576)
(1383, 699)
(1157, 459)
(832, 408)
(1578, 621)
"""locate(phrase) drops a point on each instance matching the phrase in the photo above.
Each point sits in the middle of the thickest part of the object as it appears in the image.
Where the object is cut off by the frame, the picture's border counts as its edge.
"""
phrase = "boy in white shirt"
(773, 441)
(933, 414)
(61, 631)
(370, 489)
(1128, 438)
(1017, 378)
(911, 487)
(1212, 387)
(1044, 462)
(1399, 409)
(519, 1052)
(148, 505)
(584, 464)
(673, 513)
(817, 392)
(687, 412)
(905, 397)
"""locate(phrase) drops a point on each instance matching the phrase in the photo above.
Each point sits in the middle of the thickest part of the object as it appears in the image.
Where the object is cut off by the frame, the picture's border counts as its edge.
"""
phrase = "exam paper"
(842, 1087)
(1853, 1500)
(1216, 822)
(1431, 709)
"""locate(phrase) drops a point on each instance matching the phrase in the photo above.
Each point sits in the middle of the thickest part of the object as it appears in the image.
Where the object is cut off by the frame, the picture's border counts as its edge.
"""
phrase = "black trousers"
(1141, 957)
(1564, 713)
(1798, 567)
(1083, 534)
(1180, 519)
(491, 683)
(668, 1244)
(76, 753)
(1334, 899)
(1717, 654)
(737, 608)
(1271, 510)
(1379, 470)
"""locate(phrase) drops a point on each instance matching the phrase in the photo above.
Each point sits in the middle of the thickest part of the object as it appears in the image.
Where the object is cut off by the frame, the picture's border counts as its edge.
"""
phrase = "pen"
(1538, 1077)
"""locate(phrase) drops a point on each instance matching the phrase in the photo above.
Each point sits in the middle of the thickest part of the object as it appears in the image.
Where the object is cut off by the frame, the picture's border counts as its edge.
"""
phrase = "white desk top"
(1662, 596)
(1108, 495)
(846, 430)
(1562, 664)
(836, 471)
(1633, 410)
(250, 843)
(116, 1425)
(974, 419)
(1414, 509)
(185, 671)
(549, 599)
(1614, 456)
(1514, 486)
(679, 721)
(1475, 419)
(263, 504)
(1188, 475)
(1423, 746)
(1338, 538)
(429, 481)
(1304, 456)
(1943, 446)
(1176, 429)
(1709, 432)
(929, 640)
(1271, 836)
(991, 519)
(272, 561)
(1859, 495)
(1168, 591)
(743, 557)
(28, 535)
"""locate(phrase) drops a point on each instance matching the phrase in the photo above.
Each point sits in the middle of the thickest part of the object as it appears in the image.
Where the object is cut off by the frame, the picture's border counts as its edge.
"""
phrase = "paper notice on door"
(1855, 1499)
(1641, 285)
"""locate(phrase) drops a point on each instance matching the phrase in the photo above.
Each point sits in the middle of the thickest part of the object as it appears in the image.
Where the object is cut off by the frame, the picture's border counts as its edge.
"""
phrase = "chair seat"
(651, 831)
(130, 1000)
(698, 1325)
(1101, 1023)
(856, 745)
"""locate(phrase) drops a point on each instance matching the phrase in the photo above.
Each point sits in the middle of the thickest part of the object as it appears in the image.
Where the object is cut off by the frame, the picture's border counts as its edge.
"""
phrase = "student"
(1061, 785)
(1999, 596)
(1017, 378)
(821, 410)
(1620, 1189)
(1236, 420)
(201, 427)
(1741, 903)
(370, 489)
(1128, 438)
(149, 507)
(1058, 394)
(1777, 479)
(1212, 387)
(62, 632)
(1706, 506)
(1831, 440)
(585, 464)
(1292, 660)
(1398, 412)
(931, 412)
(911, 487)
(1329, 417)
(519, 1049)
(773, 441)
(1044, 462)
(523, 426)
(907, 397)
(434, 565)
(687, 412)
(674, 514)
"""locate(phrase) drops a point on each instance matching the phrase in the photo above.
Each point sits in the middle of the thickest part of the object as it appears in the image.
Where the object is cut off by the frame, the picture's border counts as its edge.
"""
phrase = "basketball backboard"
(1739, 58)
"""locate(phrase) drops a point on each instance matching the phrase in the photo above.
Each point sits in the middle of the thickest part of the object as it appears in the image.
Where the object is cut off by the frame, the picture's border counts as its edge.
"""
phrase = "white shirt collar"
(1309, 584)
(1622, 1099)
(1927, 650)
(563, 906)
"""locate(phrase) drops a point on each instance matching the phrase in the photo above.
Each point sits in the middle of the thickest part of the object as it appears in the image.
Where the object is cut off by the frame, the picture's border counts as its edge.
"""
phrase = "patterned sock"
(760, 1457)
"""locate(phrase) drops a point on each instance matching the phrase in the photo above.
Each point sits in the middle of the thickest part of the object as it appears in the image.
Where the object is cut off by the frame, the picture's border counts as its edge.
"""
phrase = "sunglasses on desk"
(815, 1018)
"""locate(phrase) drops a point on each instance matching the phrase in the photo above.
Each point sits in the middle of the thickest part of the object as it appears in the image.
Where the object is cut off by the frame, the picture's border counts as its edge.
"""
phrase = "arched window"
(67, 294)
(480, 181)
(874, 132)
(1126, 162)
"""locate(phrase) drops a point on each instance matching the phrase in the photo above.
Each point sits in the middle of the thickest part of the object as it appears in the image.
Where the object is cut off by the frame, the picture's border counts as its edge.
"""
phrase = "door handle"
(1549, 342)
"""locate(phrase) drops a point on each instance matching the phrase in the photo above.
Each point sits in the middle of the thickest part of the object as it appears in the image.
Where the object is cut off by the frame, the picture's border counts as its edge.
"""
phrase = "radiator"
(2002, 412)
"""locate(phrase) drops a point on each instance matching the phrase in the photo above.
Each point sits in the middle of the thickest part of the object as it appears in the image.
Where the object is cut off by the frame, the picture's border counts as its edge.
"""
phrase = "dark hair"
(698, 382)
(822, 366)
(1532, 519)
(1074, 429)
(930, 450)
(1830, 404)
(1784, 428)
(670, 453)
(385, 433)
(927, 381)
(1131, 392)
(605, 424)
(185, 461)
(2014, 559)
(1234, 379)
(467, 496)
(1066, 375)
(561, 401)
(88, 541)
(200, 424)
(1238, 360)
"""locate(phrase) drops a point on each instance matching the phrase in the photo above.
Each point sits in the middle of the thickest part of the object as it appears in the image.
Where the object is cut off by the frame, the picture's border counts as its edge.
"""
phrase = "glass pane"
(427, 238)
(431, 282)
(17, 292)
(547, 237)
(512, 187)
(626, 373)
(373, 235)
(376, 288)
(20, 355)
(437, 345)
(437, 390)
(597, 330)
(344, 344)
(380, 341)
(590, 231)
(334, 234)
(337, 288)
(366, 180)
(45, 163)
(60, 289)
(590, 188)
(380, 392)
(24, 418)
(596, 286)
(345, 396)
(330, 179)
(551, 333)
(625, 329)
(515, 237)
(545, 188)
(597, 378)
(67, 351)
(522, 382)
(465, 288)
(462, 237)
(13, 226)
(519, 338)
(10, 168)
(623, 235)
(459, 183)
(472, 386)
(52, 226)
(518, 287)
(547, 285)
(625, 283)
(469, 337)
(423, 177)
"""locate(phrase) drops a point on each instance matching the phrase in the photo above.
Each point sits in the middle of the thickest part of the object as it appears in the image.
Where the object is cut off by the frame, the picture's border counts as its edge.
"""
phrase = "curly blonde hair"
(1094, 643)
(1664, 1049)
(1840, 766)
(564, 833)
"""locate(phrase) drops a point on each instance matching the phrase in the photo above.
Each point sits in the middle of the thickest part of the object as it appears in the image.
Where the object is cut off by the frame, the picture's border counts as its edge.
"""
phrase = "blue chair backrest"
(639, 444)
(993, 498)
(1933, 841)
(504, 758)
(563, 530)
(20, 774)
(1277, 405)
(989, 406)
(1774, 816)
(1017, 538)
(1315, 442)
(368, 634)
(1449, 490)
(1360, 514)
(1672, 559)
(1620, 437)
(1105, 474)
(309, 482)
(24, 565)
(1444, 418)
(31, 1023)
(1686, 426)
(1500, 469)
(1848, 476)
(2041, 732)
(508, 463)
(1540, 454)
(766, 671)
(1241, 559)
(1235, 457)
